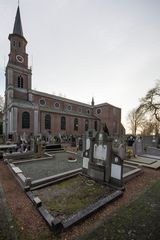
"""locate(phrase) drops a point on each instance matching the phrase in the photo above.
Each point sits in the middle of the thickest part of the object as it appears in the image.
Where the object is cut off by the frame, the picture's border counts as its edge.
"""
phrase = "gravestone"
(117, 157)
(101, 160)
(139, 146)
(87, 148)
(130, 146)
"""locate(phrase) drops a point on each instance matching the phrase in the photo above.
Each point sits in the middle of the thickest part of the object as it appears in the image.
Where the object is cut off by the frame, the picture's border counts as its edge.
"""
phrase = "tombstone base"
(96, 172)
(116, 183)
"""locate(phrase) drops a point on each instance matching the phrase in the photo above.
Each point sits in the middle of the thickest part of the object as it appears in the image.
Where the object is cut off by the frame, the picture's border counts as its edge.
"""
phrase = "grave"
(54, 147)
(42, 171)
(71, 199)
(101, 160)
(146, 154)
(145, 161)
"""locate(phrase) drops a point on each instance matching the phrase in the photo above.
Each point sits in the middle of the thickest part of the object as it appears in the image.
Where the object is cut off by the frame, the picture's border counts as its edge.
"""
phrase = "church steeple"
(92, 103)
(18, 58)
(18, 55)
(18, 24)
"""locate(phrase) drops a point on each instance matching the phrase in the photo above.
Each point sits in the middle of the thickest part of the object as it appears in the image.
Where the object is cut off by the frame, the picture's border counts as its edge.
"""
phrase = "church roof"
(17, 24)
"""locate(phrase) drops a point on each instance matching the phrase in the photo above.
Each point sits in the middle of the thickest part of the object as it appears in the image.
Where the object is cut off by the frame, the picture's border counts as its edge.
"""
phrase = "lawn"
(138, 220)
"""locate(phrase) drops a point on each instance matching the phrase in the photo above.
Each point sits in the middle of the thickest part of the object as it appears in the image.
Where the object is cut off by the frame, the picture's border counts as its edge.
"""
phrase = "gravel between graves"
(30, 224)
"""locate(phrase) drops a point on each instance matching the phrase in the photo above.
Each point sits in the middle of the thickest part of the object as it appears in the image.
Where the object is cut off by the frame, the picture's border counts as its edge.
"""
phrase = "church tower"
(18, 78)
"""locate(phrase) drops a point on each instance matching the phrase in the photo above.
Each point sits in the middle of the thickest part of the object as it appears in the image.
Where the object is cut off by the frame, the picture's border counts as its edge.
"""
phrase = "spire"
(92, 103)
(17, 24)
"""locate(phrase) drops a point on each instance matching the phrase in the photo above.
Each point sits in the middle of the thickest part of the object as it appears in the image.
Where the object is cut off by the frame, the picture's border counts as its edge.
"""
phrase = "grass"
(138, 220)
(72, 195)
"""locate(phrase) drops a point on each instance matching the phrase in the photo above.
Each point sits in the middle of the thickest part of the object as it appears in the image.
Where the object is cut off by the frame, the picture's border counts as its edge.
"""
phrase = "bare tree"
(136, 119)
(151, 102)
(152, 126)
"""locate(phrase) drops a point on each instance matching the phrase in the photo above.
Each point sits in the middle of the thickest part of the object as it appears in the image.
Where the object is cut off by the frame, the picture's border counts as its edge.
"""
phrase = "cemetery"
(67, 187)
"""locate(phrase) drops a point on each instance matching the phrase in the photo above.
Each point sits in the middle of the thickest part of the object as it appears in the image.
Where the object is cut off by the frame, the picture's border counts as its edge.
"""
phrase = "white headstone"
(100, 152)
(116, 171)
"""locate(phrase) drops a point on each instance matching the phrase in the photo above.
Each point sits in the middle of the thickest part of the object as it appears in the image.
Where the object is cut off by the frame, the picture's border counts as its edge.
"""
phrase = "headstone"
(139, 146)
(101, 160)
(87, 141)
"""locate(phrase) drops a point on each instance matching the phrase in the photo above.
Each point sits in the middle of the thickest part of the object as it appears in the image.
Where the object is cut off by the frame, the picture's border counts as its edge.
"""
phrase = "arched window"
(47, 121)
(25, 120)
(63, 123)
(86, 125)
(76, 124)
(95, 125)
(20, 82)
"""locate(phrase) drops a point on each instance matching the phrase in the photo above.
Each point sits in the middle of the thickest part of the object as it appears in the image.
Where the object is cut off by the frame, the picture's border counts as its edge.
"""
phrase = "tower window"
(88, 111)
(14, 43)
(25, 120)
(47, 121)
(98, 110)
(76, 124)
(57, 105)
(95, 125)
(42, 102)
(63, 123)
(19, 44)
(69, 107)
(86, 125)
(20, 82)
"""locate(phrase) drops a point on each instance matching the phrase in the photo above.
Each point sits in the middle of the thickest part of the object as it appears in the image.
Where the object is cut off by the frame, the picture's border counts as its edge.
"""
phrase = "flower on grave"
(129, 153)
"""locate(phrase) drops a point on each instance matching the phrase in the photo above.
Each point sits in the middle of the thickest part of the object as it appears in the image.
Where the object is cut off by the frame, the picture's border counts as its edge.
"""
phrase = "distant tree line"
(145, 119)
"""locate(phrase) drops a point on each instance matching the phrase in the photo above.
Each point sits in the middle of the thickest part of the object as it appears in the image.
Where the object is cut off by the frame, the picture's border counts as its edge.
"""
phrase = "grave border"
(57, 225)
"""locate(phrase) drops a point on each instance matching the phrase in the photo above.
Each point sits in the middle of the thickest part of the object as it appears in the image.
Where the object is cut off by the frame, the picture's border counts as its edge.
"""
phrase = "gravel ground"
(45, 168)
(32, 226)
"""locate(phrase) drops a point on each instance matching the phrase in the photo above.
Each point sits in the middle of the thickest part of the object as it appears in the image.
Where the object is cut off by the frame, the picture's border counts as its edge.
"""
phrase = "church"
(33, 112)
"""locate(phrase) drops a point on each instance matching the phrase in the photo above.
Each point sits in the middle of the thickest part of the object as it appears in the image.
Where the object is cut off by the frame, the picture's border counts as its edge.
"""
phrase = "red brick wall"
(111, 116)
(56, 124)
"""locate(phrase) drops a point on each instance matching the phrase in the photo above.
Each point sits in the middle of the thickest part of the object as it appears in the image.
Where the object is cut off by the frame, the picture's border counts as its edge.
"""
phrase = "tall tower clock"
(18, 92)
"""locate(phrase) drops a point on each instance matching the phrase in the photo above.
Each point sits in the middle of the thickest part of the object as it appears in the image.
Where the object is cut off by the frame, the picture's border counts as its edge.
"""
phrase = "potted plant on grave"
(129, 153)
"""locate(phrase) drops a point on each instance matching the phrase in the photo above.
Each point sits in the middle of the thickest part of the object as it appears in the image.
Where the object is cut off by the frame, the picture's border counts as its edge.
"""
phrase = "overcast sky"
(108, 49)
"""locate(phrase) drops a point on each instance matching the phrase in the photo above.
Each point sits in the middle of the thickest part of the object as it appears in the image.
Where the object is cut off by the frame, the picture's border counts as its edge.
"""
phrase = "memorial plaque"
(88, 144)
(116, 171)
(85, 162)
(100, 152)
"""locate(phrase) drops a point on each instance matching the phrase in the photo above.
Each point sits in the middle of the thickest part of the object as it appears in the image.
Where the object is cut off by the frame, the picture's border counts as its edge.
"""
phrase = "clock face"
(19, 58)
